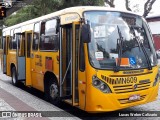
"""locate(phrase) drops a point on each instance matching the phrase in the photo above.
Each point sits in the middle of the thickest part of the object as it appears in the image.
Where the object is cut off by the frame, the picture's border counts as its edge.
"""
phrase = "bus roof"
(153, 16)
(79, 10)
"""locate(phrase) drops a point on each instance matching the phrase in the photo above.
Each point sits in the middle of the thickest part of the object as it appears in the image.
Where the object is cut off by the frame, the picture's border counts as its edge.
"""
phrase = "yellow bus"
(95, 58)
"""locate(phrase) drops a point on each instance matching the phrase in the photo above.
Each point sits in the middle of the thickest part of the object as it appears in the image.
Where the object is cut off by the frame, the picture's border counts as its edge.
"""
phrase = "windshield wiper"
(119, 47)
(140, 44)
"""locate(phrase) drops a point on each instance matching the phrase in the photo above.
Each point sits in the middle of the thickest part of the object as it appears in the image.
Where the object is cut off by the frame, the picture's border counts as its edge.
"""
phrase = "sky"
(120, 4)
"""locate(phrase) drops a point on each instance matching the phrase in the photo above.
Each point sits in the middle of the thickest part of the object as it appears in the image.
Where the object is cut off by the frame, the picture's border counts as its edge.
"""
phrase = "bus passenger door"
(34, 55)
(5, 55)
(69, 63)
(75, 51)
(66, 63)
(28, 38)
(20, 54)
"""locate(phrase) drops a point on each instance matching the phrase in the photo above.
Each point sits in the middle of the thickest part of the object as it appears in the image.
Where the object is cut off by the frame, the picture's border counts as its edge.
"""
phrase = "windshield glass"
(112, 32)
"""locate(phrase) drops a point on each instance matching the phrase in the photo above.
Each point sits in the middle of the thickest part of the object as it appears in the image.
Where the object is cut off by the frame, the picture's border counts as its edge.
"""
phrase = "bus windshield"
(116, 35)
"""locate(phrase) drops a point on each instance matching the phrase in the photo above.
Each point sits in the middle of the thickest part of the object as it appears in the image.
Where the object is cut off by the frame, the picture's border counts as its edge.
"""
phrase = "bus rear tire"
(14, 76)
(52, 92)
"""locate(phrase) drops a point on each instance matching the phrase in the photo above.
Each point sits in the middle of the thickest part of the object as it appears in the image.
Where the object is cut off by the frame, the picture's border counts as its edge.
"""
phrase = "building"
(154, 24)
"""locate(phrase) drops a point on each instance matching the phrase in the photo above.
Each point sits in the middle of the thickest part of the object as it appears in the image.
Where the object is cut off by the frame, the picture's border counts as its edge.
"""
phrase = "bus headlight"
(100, 85)
(156, 80)
(96, 82)
(105, 88)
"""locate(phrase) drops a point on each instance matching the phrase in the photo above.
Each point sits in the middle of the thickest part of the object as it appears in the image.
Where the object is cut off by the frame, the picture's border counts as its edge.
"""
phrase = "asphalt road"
(39, 103)
(153, 106)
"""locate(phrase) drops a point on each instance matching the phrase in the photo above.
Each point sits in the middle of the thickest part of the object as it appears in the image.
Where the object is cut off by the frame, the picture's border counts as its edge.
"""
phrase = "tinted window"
(117, 35)
(14, 37)
(36, 37)
(49, 38)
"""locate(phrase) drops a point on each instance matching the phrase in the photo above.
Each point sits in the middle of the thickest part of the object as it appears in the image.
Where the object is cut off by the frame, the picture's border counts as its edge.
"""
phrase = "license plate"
(134, 97)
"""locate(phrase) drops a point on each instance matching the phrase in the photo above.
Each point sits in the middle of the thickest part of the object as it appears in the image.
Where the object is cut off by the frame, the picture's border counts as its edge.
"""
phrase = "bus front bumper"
(98, 101)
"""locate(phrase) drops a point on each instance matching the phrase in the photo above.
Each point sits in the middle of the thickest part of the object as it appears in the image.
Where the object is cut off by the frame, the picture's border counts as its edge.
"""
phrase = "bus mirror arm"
(81, 57)
(86, 33)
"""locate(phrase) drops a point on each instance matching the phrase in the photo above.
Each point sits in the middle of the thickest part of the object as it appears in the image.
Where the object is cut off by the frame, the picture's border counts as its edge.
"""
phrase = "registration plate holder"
(134, 97)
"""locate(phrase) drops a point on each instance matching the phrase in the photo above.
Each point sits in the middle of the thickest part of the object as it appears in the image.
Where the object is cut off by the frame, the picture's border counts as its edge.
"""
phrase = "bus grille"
(129, 88)
(126, 100)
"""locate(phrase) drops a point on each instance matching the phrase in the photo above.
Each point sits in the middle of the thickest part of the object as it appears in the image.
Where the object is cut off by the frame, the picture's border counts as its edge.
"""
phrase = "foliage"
(43, 7)
(110, 3)
(147, 6)
(22, 15)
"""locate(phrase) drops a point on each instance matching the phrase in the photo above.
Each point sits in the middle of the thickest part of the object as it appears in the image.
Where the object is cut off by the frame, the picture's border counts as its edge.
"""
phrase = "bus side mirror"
(86, 33)
(158, 56)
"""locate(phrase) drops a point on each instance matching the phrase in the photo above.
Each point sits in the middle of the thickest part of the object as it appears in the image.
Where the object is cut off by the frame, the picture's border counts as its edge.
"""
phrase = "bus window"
(29, 37)
(10, 39)
(13, 42)
(35, 37)
(13, 39)
(48, 39)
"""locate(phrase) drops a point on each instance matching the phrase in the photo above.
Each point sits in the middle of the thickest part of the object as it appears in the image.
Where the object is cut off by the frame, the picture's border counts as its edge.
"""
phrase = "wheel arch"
(11, 66)
(46, 79)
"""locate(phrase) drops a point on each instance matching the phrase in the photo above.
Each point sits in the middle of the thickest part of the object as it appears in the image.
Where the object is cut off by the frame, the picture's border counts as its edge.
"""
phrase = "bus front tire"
(14, 77)
(52, 92)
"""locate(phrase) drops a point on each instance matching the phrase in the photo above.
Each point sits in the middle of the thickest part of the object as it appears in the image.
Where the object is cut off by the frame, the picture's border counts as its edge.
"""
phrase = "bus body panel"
(28, 81)
(28, 40)
(98, 102)
(21, 68)
(42, 66)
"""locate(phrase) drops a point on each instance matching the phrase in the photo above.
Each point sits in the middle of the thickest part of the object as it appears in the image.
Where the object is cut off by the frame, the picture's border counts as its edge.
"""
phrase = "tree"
(127, 5)
(110, 3)
(148, 7)
(43, 7)
(24, 14)
(71, 3)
